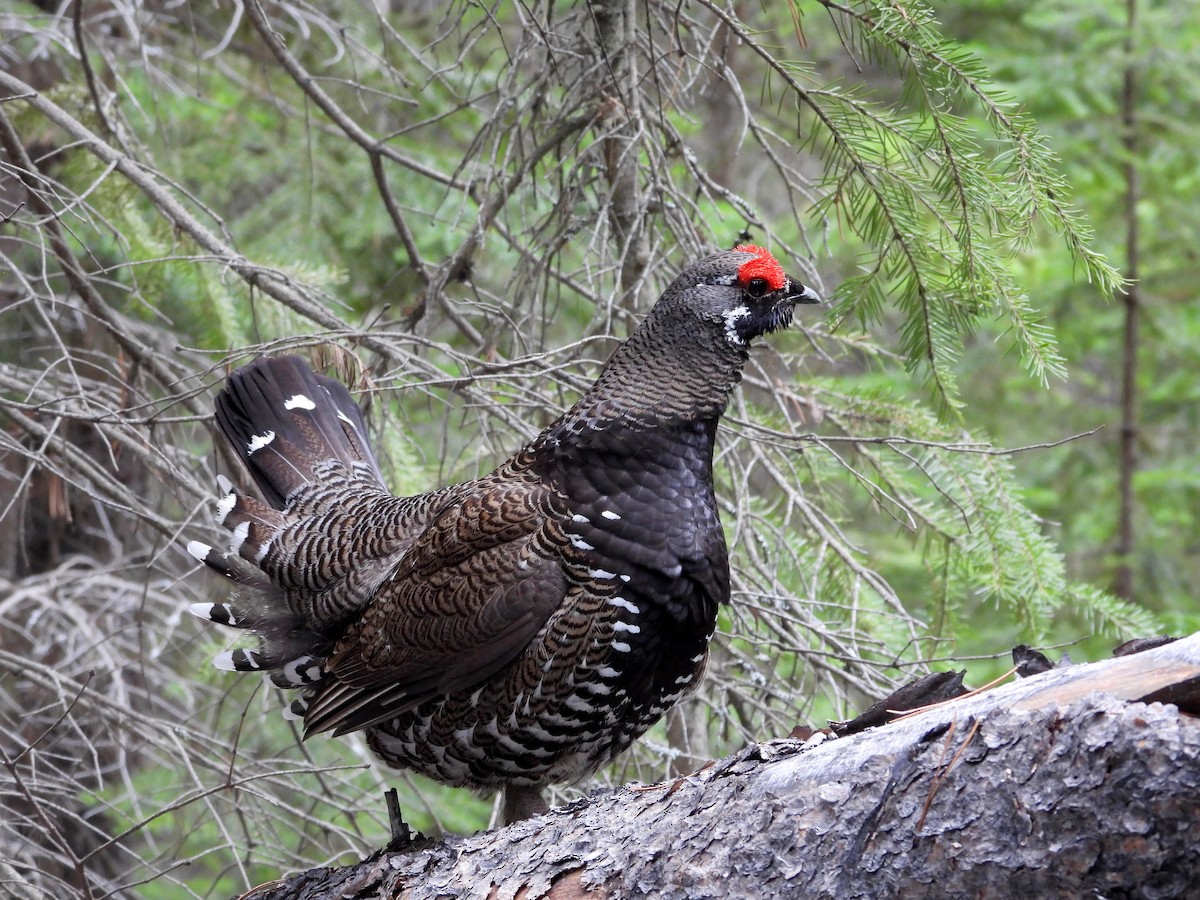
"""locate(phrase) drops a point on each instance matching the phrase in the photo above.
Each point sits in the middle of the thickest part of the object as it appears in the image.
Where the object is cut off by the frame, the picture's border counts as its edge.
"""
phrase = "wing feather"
(467, 599)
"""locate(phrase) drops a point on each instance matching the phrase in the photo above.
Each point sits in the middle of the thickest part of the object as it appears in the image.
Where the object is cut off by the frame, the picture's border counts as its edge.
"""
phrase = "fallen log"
(1079, 781)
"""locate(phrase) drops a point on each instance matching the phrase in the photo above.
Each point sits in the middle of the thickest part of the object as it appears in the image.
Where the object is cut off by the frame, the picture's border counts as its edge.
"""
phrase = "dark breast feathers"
(543, 631)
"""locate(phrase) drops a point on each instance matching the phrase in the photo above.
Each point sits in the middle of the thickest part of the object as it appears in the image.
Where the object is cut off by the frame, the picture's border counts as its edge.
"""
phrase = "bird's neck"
(658, 378)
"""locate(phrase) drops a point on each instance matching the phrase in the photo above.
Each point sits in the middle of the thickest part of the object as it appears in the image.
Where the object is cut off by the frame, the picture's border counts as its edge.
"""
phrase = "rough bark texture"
(1059, 785)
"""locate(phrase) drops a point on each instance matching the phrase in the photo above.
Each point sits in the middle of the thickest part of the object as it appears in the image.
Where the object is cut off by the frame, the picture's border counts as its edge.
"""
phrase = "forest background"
(987, 436)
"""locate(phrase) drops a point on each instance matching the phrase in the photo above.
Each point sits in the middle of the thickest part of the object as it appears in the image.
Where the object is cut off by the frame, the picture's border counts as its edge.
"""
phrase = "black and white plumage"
(523, 628)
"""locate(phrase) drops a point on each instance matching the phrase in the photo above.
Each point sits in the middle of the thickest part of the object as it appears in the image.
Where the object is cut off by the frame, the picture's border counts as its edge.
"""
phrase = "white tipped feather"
(221, 613)
(295, 710)
(625, 604)
(238, 661)
(225, 506)
(201, 611)
(198, 550)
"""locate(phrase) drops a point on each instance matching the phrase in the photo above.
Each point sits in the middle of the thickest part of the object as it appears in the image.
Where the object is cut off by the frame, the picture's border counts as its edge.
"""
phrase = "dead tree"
(1081, 781)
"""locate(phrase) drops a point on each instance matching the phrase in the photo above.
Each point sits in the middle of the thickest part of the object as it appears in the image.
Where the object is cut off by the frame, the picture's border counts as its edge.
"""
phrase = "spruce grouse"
(516, 630)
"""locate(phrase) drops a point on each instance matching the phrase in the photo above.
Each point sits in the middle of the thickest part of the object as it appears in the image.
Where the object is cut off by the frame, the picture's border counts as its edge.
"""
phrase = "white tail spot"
(299, 401)
(259, 441)
(625, 604)
(238, 661)
(225, 506)
(609, 514)
(239, 537)
(221, 613)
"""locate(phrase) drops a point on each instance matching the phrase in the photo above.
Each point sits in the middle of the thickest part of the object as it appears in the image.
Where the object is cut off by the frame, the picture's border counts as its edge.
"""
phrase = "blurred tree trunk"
(1123, 577)
(1065, 784)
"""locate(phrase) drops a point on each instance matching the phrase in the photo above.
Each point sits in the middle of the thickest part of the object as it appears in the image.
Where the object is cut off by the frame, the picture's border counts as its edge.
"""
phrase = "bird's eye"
(757, 287)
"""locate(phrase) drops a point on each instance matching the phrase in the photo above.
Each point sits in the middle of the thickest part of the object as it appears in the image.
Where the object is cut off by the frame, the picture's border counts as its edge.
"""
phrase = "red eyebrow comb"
(763, 266)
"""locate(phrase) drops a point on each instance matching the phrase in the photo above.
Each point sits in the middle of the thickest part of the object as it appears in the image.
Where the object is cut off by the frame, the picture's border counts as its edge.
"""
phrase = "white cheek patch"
(731, 318)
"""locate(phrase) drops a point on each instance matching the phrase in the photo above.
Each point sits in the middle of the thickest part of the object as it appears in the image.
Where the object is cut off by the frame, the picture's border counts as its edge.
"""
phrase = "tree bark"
(1064, 784)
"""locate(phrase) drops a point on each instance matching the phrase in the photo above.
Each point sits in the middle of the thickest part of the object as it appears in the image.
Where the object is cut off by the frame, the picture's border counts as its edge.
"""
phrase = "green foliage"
(1067, 63)
(943, 218)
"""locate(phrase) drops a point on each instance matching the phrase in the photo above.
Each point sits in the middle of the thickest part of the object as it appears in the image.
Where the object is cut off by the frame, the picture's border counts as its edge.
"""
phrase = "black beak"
(798, 293)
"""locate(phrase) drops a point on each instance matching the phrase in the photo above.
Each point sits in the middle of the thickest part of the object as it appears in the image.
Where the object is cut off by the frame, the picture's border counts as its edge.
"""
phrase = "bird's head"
(739, 294)
(688, 353)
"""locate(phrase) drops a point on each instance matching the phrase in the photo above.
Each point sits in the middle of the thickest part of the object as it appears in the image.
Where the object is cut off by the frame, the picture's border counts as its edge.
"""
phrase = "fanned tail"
(302, 438)
(289, 426)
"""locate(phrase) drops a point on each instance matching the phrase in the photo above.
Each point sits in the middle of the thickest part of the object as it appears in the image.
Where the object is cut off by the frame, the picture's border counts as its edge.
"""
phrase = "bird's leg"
(522, 801)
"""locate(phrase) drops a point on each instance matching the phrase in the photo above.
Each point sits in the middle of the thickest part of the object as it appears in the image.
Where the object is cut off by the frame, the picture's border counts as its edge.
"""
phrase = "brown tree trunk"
(1067, 784)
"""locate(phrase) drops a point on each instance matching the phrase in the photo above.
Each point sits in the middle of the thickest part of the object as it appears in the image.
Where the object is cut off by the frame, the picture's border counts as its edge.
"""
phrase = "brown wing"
(467, 599)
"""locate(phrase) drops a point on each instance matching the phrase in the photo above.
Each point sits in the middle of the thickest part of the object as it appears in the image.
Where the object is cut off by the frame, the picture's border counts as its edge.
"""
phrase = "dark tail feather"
(232, 568)
(290, 427)
(286, 423)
